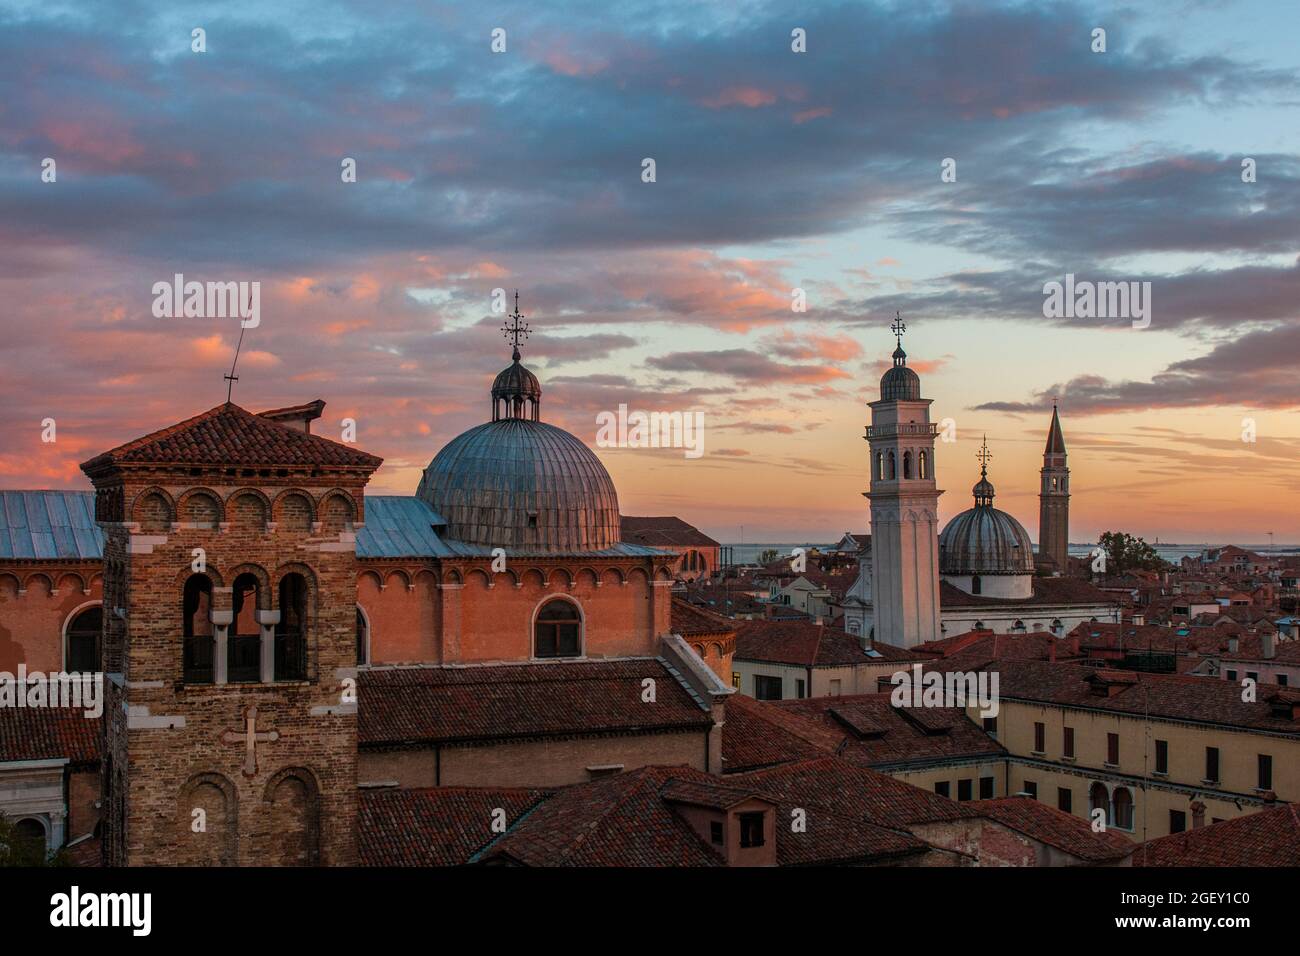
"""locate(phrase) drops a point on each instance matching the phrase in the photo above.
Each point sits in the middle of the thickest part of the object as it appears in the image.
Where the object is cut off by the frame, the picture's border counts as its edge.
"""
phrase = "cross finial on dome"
(985, 456)
(517, 329)
(898, 328)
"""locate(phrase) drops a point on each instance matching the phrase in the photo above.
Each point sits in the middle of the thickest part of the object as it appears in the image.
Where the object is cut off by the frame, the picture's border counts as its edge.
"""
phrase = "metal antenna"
(232, 378)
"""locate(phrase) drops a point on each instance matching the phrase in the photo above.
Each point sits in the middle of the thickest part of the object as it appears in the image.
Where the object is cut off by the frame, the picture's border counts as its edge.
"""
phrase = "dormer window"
(751, 830)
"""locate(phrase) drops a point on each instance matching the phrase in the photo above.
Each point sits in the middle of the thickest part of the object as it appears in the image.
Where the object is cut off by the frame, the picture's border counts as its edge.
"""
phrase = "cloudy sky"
(775, 171)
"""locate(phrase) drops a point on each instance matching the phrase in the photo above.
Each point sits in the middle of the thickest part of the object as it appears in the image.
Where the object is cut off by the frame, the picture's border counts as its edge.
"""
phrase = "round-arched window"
(83, 641)
(558, 631)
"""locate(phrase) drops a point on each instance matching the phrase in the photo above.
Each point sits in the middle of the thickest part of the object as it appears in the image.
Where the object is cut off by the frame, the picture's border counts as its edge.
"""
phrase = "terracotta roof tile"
(1268, 838)
(1056, 828)
(48, 733)
(437, 826)
(230, 435)
(808, 644)
(691, 621)
(424, 705)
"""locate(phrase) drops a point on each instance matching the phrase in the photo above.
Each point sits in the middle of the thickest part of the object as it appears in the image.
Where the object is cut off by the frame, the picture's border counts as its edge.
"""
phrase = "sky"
(774, 171)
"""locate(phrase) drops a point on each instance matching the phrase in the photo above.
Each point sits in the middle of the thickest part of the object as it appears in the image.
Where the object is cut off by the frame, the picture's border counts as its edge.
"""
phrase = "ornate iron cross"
(984, 455)
(898, 328)
(519, 328)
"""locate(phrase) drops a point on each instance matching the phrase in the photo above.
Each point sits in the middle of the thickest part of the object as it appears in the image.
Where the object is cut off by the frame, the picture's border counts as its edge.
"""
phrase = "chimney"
(1268, 645)
(1198, 814)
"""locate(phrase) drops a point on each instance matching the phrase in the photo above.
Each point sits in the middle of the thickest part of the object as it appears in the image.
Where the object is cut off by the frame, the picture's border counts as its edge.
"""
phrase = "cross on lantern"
(898, 328)
(251, 738)
(517, 329)
(984, 455)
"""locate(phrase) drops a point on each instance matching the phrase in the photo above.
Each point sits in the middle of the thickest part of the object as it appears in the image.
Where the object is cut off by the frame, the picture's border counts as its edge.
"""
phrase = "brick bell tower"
(1054, 499)
(230, 641)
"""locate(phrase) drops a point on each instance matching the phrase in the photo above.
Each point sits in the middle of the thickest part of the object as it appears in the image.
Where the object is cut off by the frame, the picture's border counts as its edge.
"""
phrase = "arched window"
(363, 639)
(975, 584)
(83, 642)
(1123, 803)
(1099, 799)
(196, 630)
(923, 465)
(244, 642)
(30, 837)
(1018, 627)
(907, 464)
(291, 632)
(880, 466)
(892, 471)
(558, 631)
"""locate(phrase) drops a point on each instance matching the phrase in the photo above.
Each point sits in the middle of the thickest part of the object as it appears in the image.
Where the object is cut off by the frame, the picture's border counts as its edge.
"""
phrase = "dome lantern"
(516, 392)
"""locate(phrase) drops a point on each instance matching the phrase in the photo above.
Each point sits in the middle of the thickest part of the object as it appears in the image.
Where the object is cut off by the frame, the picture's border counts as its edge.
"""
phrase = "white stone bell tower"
(904, 509)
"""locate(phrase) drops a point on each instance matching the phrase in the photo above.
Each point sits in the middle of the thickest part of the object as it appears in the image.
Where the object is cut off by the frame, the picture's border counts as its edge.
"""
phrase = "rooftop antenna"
(232, 378)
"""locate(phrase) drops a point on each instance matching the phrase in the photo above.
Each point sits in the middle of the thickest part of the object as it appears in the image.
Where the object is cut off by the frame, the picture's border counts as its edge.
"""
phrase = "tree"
(767, 557)
(1125, 552)
(18, 849)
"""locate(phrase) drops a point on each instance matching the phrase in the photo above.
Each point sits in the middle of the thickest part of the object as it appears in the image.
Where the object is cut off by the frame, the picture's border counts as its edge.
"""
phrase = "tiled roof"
(621, 820)
(1268, 838)
(437, 826)
(1196, 699)
(230, 435)
(628, 820)
(48, 733)
(690, 621)
(976, 649)
(425, 705)
(873, 732)
(665, 532)
(49, 524)
(759, 734)
(807, 644)
(1047, 591)
(1056, 828)
(853, 791)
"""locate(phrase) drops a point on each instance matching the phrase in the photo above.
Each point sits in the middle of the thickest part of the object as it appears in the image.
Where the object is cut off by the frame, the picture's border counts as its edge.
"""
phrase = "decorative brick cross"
(252, 738)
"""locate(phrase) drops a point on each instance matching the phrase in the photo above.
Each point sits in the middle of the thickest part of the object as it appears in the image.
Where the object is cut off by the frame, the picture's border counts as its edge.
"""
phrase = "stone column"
(221, 621)
(268, 620)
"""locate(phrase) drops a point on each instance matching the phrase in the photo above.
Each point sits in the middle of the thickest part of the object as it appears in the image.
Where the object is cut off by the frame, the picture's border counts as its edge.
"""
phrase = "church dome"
(983, 540)
(522, 485)
(518, 483)
(900, 383)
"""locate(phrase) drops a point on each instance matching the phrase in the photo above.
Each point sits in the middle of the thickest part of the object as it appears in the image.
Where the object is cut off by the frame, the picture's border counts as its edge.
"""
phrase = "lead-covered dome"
(983, 540)
(522, 485)
(900, 383)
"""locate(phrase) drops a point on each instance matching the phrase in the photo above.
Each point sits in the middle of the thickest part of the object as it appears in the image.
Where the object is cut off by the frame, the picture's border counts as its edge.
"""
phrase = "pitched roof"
(854, 791)
(1056, 828)
(230, 435)
(873, 732)
(1047, 591)
(807, 644)
(664, 532)
(53, 525)
(425, 705)
(691, 621)
(628, 820)
(1268, 838)
(620, 820)
(436, 826)
(49, 733)
(1176, 697)
(758, 734)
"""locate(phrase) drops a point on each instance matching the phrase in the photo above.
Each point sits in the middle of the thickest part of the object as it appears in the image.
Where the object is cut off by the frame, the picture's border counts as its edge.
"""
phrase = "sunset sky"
(775, 170)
